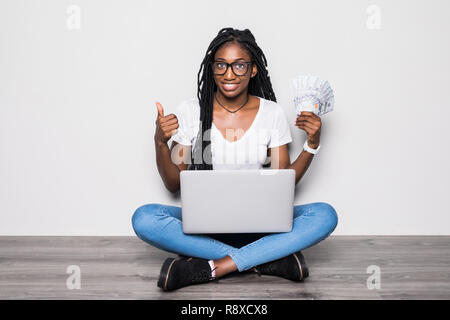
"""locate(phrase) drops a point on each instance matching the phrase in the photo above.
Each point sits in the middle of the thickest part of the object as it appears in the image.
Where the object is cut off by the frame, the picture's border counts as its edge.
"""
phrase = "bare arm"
(168, 170)
(281, 160)
(301, 164)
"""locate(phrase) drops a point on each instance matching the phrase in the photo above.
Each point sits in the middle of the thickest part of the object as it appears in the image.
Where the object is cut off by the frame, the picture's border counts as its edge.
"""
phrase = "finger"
(171, 132)
(311, 115)
(168, 117)
(160, 109)
(303, 115)
(306, 113)
(305, 118)
(168, 122)
(309, 126)
(308, 120)
(305, 128)
(170, 128)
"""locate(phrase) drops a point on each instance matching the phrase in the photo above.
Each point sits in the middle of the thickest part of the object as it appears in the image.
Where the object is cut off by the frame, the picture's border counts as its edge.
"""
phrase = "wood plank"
(412, 267)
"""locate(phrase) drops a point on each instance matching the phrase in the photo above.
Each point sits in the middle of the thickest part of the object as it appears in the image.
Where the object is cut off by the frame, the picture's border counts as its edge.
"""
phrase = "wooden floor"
(412, 267)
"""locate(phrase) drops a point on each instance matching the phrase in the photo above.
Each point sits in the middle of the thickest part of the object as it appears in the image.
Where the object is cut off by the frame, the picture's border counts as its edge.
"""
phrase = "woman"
(235, 90)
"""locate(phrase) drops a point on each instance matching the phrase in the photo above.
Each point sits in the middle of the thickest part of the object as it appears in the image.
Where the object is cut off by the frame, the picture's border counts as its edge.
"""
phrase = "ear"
(254, 71)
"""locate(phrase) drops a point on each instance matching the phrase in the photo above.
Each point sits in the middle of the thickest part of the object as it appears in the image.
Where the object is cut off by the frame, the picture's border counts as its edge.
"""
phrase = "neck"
(232, 103)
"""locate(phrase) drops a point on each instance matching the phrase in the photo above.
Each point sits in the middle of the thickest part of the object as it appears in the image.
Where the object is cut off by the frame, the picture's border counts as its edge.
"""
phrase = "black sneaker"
(178, 273)
(292, 267)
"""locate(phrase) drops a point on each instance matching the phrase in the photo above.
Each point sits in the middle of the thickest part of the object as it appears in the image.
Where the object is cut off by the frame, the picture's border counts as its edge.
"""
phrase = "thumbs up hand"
(166, 126)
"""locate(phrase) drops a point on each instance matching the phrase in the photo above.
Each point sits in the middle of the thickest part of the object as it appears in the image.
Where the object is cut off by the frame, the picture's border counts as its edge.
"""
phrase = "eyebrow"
(233, 60)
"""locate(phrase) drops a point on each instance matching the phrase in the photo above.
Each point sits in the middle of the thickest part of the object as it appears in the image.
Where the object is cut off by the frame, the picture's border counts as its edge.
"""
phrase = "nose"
(229, 74)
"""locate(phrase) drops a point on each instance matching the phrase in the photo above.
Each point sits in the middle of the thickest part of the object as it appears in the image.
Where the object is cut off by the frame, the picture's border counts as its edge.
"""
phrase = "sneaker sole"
(304, 272)
(164, 274)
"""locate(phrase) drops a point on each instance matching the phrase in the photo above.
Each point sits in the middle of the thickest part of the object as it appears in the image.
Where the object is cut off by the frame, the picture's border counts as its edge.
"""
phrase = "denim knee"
(143, 218)
(328, 216)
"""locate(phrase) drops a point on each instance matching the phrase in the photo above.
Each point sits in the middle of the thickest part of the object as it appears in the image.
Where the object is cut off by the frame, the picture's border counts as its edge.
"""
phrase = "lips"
(230, 86)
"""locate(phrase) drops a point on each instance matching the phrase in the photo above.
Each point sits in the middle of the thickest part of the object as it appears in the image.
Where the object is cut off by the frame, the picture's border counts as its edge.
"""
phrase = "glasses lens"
(219, 67)
(240, 68)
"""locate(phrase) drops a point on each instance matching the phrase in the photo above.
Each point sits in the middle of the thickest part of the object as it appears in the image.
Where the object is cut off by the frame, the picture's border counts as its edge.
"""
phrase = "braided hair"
(259, 85)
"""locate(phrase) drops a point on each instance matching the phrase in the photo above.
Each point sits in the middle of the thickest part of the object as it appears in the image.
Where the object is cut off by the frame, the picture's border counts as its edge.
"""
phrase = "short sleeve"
(184, 131)
(280, 133)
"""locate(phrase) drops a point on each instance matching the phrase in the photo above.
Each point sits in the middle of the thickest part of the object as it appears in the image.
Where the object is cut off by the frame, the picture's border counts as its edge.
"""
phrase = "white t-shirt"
(269, 129)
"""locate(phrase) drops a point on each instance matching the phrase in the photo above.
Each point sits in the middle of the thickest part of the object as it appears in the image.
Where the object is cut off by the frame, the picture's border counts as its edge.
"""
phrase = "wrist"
(311, 148)
(159, 143)
(313, 145)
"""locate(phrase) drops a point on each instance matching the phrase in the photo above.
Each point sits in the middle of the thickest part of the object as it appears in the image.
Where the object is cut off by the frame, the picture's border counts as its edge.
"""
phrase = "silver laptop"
(237, 201)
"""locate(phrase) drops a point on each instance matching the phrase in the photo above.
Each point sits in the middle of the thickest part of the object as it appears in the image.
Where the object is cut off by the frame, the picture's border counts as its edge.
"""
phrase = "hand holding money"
(311, 124)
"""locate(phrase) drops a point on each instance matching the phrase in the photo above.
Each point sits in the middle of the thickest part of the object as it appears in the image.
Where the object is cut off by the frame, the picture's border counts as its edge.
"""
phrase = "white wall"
(78, 114)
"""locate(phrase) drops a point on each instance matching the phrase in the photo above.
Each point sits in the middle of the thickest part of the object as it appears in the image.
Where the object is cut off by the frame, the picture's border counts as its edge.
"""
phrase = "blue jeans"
(160, 225)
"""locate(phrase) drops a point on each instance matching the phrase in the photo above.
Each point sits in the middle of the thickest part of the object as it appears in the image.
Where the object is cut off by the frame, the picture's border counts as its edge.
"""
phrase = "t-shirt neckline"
(261, 103)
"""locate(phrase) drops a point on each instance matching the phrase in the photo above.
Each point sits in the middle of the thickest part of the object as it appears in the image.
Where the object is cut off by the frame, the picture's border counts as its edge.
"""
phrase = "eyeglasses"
(239, 68)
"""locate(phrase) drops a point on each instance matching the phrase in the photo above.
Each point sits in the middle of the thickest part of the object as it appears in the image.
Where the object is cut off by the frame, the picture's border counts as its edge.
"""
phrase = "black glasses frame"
(232, 68)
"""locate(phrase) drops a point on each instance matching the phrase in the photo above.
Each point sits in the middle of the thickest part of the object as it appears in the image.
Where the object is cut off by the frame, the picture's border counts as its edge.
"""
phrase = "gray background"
(77, 107)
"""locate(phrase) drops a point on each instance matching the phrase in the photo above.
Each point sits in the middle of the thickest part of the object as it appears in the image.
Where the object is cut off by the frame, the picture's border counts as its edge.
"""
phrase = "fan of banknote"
(312, 94)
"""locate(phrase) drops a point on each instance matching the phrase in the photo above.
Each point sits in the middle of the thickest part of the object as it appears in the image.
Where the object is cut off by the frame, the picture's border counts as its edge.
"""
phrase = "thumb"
(160, 109)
